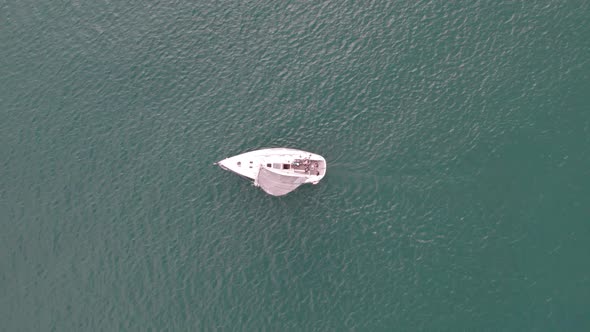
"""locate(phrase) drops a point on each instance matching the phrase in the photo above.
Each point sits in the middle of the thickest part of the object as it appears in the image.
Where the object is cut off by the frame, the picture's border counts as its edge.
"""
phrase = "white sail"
(277, 184)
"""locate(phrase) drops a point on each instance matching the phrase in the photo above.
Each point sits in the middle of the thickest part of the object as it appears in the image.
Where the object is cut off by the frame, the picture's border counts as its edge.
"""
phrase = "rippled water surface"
(457, 137)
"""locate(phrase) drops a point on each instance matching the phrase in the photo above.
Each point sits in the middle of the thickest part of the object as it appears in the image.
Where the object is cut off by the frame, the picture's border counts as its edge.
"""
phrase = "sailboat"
(277, 171)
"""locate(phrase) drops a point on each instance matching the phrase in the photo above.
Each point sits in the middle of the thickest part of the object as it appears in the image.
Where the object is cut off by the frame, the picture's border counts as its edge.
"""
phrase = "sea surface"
(457, 136)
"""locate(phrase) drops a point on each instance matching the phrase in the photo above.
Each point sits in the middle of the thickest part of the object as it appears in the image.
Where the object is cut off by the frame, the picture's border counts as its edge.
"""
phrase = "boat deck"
(308, 166)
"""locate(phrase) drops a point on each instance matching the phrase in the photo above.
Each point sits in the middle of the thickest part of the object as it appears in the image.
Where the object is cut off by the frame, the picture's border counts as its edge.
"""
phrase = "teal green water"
(457, 137)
